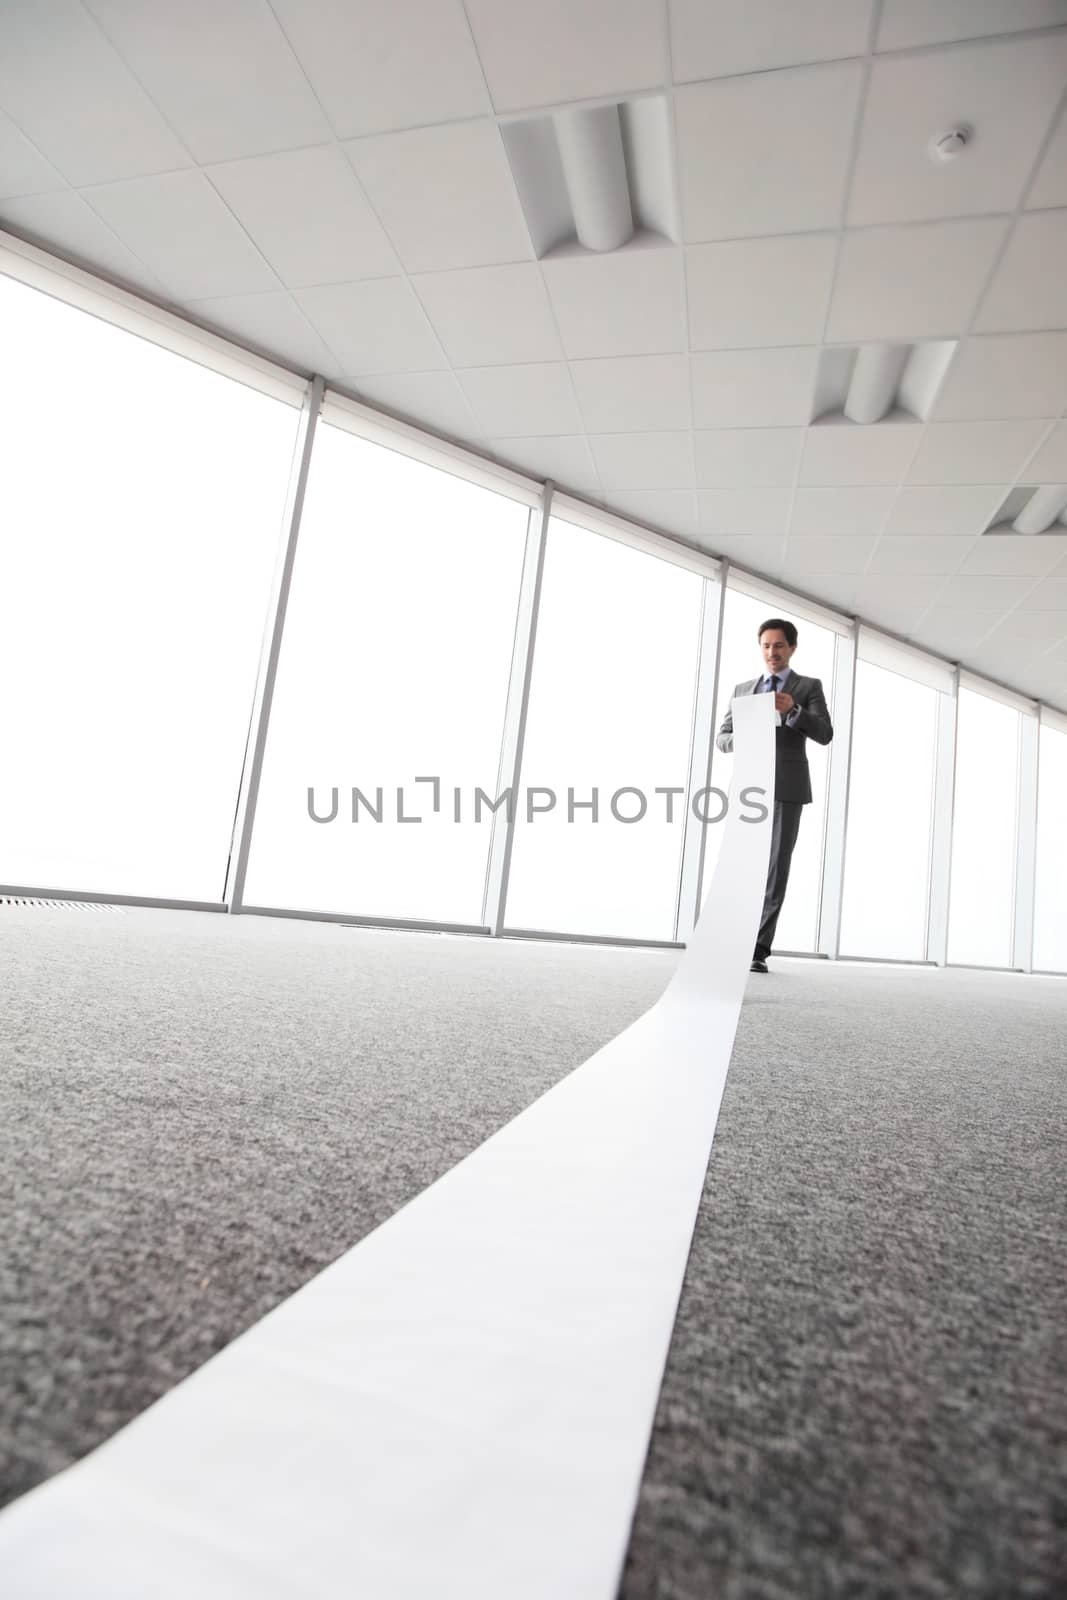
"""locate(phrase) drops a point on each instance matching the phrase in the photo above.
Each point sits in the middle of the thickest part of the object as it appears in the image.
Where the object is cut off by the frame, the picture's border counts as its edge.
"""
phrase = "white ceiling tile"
(912, 282)
(771, 291)
(273, 323)
(567, 49)
(630, 302)
(840, 592)
(179, 227)
(433, 400)
(23, 170)
(1012, 655)
(376, 65)
(374, 326)
(519, 401)
(952, 633)
(754, 388)
(1045, 680)
(633, 394)
(1029, 289)
(1050, 463)
(912, 22)
(1015, 554)
(671, 509)
(974, 452)
(845, 512)
(821, 556)
(444, 196)
(747, 458)
(567, 460)
(934, 556)
(220, 71)
(766, 154)
(898, 591)
(1050, 186)
(899, 619)
(644, 460)
(754, 554)
(48, 57)
(1003, 665)
(307, 213)
(1019, 628)
(491, 316)
(750, 513)
(1006, 375)
(735, 36)
(1012, 661)
(1049, 595)
(962, 511)
(1008, 90)
(846, 453)
(64, 224)
(982, 593)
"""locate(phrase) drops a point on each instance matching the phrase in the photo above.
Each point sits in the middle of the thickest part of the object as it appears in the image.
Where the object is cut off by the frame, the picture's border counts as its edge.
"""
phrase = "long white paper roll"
(461, 1405)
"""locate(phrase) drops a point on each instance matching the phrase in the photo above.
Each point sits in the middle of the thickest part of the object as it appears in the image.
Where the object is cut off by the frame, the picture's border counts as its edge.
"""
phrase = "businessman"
(801, 706)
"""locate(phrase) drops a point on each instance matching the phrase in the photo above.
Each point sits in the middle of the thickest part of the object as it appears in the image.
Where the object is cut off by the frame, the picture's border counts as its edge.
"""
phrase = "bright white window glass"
(142, 506)
(394, 667)
(1050, 904)
(890, 816)
(981, 902)
(611, 708)
(741, 659)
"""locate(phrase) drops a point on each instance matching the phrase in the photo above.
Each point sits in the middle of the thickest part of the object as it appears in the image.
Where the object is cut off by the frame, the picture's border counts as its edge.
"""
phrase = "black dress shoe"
(758, 965)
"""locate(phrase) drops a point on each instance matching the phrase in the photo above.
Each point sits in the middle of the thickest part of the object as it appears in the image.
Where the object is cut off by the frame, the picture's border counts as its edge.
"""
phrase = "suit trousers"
(784, 829)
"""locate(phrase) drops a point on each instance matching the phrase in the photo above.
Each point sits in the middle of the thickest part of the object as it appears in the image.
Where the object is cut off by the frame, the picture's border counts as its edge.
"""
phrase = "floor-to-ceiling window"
(143, 497)
(393, 674)
(891, 797)
(984, 819)
(740, 659)
(610, 717)
(1050, 901)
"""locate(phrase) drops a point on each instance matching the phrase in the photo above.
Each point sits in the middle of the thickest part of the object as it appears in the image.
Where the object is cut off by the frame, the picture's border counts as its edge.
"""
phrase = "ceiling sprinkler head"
(947, 146)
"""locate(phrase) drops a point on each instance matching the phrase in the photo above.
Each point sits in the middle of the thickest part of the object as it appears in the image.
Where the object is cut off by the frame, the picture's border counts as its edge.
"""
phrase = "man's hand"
(784, 703)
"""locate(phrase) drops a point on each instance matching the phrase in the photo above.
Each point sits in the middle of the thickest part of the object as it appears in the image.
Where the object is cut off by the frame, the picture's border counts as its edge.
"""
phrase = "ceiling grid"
(991, 274)
(861, 104)
(328, 185)
(694, 508)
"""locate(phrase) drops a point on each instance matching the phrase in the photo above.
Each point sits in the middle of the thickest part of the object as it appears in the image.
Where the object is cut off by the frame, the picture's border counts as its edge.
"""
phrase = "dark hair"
(788, 628)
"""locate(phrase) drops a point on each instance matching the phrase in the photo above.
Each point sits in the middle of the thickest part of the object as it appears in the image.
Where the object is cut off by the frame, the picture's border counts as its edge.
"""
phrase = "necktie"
(774, 684)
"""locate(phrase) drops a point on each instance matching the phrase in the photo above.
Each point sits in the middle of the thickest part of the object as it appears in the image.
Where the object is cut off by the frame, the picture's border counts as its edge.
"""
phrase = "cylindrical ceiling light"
(875, 379)
(594, 167)
(1042, 509)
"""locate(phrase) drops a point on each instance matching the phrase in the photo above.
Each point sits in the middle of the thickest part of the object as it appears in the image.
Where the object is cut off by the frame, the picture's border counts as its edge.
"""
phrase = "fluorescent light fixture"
(1029, 509)
(876, 375)
(595, 178)
(1043, 508)
(869, 382)
(594, 170)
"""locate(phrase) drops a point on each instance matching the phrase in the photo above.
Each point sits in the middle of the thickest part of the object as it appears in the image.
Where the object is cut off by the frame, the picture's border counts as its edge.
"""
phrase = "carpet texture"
(198, 1113)
(867, 1389)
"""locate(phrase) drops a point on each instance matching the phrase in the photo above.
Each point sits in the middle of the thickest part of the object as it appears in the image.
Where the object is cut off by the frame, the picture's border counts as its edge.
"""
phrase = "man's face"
(777, 651)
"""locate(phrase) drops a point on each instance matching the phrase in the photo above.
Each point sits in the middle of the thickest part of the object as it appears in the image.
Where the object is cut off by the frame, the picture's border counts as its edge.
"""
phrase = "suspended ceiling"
(332, 182)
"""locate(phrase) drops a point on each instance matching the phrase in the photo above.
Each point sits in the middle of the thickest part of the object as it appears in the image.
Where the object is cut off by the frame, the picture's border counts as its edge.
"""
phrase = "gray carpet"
(867, 1389)
(198, 1113)
(866, 1395)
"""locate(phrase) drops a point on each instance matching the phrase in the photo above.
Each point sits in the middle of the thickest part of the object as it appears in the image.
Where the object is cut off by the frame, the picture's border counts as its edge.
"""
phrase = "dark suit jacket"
(792, 779)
